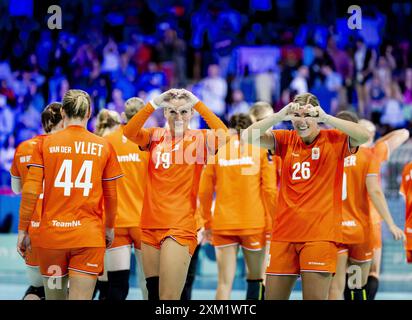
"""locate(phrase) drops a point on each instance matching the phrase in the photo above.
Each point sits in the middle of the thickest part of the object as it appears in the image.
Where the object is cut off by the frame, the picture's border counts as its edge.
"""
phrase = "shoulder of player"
(285, 133)
(112, 136)
(381, 147)
(27, 145)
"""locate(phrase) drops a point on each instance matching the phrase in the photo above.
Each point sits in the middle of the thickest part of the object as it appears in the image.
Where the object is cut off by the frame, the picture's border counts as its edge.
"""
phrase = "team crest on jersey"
(315, 153)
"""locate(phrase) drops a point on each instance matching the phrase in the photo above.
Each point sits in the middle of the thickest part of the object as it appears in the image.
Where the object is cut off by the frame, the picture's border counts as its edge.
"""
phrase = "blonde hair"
(259, 109)
(106, 120)
(76, 103)
(132, 106)
(306, 98)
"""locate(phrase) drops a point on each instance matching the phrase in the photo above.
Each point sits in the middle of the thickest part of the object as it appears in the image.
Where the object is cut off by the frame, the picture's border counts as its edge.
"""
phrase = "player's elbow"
(363, 136)
(15, 185)
(127, 132)
(375, 192)
(404, 134)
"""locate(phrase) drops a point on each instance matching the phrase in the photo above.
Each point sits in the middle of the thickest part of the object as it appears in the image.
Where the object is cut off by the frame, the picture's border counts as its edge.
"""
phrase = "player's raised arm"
(394, 139)
(258, 134)
(134, 129)
(357, 133)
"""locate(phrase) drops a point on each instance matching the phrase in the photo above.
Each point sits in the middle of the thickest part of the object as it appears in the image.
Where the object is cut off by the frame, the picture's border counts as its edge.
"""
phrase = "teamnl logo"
(55, 20)
(355, 20)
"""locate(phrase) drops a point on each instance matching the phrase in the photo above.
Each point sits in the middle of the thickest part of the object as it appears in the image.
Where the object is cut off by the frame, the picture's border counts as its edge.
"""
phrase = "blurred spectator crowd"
(115, 50)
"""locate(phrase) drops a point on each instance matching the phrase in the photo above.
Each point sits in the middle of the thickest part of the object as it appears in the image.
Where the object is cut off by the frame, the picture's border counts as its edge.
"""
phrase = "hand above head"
(191, 98)
(287, 112)
(162, 99)
(317, 113)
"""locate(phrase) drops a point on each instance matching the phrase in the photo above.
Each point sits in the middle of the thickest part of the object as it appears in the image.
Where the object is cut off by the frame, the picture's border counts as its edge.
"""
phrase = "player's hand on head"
(162, 99)
(109, 237)
(317, 113)
(192, 99)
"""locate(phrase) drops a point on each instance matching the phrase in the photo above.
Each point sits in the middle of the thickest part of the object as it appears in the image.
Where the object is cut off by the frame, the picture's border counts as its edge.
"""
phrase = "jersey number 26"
(301, 170)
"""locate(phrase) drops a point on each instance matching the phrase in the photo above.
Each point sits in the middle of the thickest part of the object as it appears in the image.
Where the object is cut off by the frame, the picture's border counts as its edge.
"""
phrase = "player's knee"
(102, 287)
(34, 293)
(169, 294)
(118, 285)
(337, 287)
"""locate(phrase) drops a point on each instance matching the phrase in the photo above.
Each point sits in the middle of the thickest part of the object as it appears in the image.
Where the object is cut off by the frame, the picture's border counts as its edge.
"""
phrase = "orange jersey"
(406, 191)
(175, 166)
(381, 153)
(244, 180)
(74, 162)
(356, 211)
(130, 189)
(20, 170)
(309, 206)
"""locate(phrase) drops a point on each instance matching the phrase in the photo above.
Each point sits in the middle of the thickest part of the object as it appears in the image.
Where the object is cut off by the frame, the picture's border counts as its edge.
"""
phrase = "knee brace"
(37, 291)
(102, 287)
(255, 289)
(118, 285)
(152, 284)
(372, 287)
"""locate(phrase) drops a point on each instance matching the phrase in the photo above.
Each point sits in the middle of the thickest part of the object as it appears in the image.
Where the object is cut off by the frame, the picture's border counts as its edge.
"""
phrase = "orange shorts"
(359, 252)
(292, 258)
(155, 238)
(59, 262)
(32, 257)
(376, 235)
(126, 237)
(252, 242)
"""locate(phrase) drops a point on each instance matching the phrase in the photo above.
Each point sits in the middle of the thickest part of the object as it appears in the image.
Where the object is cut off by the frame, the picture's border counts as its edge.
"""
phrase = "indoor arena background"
(229, 53)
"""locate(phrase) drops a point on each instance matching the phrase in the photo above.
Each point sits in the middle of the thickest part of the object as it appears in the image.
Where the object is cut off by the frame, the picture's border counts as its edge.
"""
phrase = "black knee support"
(118, 285)
(372, 287)
(38, 291)
(152, 285)
(191, 274)
(255, 290)
(102, 287)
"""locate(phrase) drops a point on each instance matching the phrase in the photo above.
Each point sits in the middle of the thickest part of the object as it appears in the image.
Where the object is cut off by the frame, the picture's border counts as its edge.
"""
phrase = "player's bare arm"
(378, 199)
